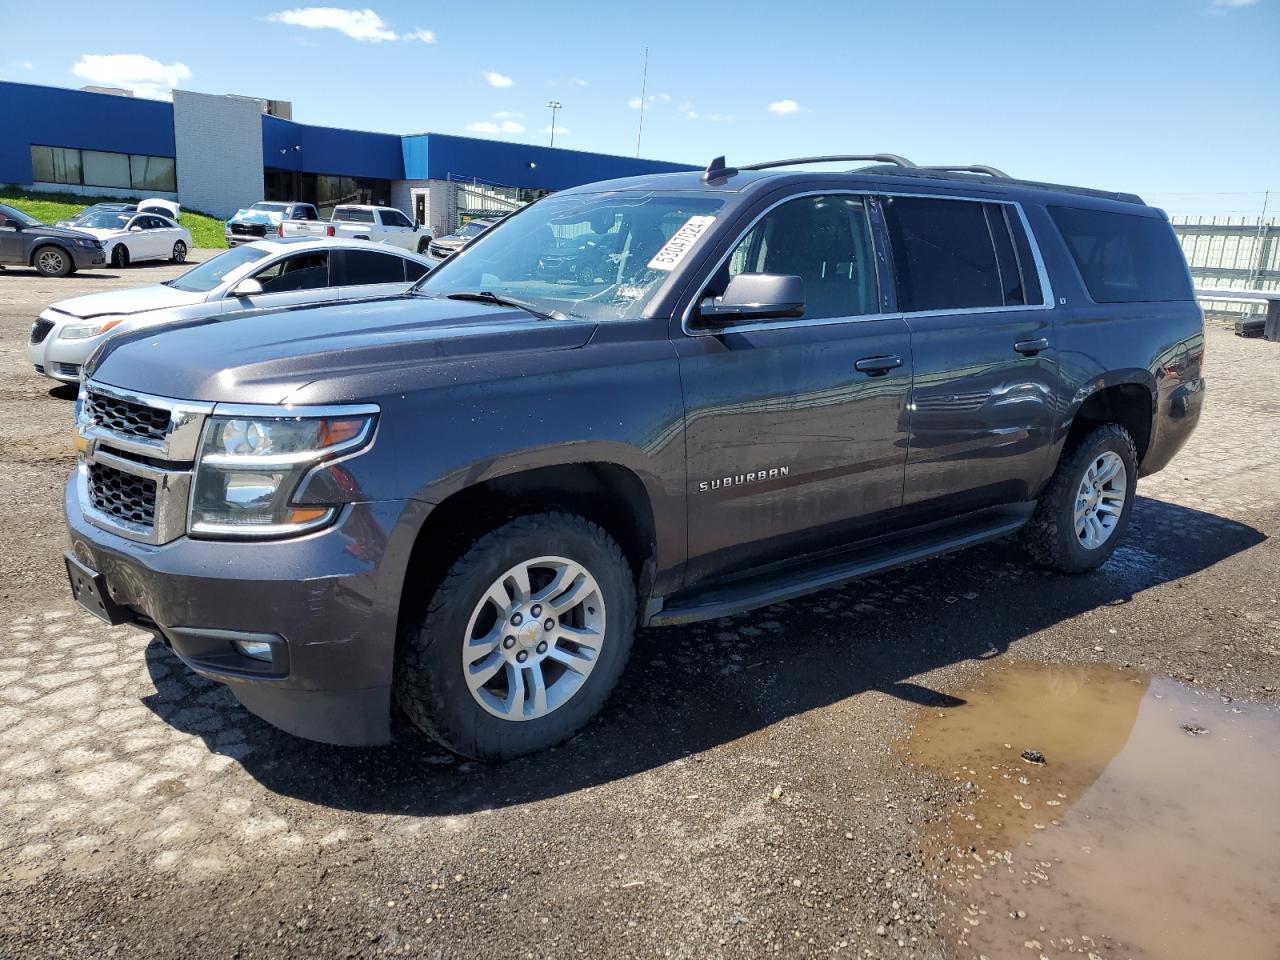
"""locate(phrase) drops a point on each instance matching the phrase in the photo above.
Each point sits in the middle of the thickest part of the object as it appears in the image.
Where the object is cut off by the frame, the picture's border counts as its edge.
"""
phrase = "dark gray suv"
(468, 498)
(53, 251)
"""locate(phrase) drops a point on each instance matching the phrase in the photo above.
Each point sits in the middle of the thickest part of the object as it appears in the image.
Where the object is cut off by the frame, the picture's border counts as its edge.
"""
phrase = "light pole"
(554, 105)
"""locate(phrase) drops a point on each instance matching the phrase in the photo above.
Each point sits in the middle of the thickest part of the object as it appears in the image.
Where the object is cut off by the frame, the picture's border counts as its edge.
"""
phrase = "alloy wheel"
(1100, 499)
(533, 638)
(51, 261)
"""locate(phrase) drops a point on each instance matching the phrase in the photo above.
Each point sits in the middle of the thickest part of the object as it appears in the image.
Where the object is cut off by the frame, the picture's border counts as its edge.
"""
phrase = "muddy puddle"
(1151, 830)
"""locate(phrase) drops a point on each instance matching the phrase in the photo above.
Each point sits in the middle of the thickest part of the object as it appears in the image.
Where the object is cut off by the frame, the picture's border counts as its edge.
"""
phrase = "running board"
(763, 589)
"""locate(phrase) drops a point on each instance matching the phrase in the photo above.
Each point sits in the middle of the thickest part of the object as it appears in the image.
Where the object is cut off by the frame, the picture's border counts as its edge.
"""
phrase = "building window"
(326, 191)
(97, 168)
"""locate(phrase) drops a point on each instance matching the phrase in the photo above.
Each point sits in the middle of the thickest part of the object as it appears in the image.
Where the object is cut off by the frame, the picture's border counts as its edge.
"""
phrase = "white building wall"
(219, 151)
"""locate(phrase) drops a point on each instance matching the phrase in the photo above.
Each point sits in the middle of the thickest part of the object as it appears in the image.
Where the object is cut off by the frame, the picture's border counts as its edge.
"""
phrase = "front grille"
(249, 229)
(122, 495)
(68, 369)
(40, 329)
(126, 417)
(439, 252)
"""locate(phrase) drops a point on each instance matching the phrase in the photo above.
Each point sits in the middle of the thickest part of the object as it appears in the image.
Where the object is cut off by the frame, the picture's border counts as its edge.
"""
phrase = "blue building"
(217, 154)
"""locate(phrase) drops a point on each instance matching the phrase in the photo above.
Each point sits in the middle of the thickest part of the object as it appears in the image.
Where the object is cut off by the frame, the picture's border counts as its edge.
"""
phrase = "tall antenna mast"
(644, 82)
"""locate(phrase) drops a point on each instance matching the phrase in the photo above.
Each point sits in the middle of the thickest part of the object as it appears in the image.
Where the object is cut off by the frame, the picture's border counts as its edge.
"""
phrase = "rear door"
(796, 430)
(977, 300)
(368, 273)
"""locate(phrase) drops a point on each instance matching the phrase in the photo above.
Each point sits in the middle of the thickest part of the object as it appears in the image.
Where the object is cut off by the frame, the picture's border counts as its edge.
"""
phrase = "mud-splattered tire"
(467, 633)
(1057, 537)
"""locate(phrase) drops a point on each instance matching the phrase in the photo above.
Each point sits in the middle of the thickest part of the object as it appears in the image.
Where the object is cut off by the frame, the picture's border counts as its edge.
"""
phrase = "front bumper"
(61, 359)
(328, 602)
(87, 257)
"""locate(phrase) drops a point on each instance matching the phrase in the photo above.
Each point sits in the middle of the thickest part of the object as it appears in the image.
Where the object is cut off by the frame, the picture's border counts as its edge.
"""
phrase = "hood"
(45, 230)
(137, 300)
(100, 233)
(267, 356)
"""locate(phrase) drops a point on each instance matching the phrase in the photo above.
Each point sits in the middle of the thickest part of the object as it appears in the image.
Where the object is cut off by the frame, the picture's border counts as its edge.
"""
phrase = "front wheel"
(424, 245)
(179, 252)
(120, 256)
(53, 262)
(523, 640)
(1085, 509)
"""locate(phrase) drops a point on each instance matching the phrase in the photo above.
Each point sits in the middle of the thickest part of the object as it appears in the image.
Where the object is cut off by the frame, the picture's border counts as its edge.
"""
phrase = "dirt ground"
(743, 794)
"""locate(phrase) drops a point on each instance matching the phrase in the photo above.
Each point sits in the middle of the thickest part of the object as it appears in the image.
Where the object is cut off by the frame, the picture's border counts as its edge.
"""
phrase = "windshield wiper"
(487, 296)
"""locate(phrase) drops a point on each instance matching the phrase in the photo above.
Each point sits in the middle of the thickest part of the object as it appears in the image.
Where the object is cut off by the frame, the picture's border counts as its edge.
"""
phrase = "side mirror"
(135, 229)
(247, 287)
(756, 296)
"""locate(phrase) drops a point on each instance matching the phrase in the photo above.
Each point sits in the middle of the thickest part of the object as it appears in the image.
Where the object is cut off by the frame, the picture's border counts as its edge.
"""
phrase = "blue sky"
(1174, 99)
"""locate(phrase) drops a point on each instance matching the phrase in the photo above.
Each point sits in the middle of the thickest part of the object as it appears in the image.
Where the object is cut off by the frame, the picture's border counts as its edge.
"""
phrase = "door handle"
(877, 366)
(1030, 348)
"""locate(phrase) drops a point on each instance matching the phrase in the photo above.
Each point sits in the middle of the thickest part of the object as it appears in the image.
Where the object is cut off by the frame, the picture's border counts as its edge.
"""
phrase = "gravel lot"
(148, 815)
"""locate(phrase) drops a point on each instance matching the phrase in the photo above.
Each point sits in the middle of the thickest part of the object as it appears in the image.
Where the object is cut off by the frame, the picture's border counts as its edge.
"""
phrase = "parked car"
(468, 497)
(129, 237)
(255, 276)
(442, 247)
(166, 208)
(53, 251)
(264, 219)
(355, 222)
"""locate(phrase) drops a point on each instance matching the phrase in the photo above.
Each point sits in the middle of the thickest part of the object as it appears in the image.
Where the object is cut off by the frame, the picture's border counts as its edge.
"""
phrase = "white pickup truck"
(352, 222)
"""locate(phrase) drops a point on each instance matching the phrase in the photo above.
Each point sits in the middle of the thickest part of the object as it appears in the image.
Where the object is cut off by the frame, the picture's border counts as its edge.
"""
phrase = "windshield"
(473, 228)
(593, 255)
(212, 272)
(270, 207)
(105, 220)
(11, 214)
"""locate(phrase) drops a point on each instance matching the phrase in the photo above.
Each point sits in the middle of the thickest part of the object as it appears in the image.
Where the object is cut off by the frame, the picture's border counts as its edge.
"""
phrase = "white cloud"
(357, 24)
(508, 115)
(426, 36)
(652, 100)
(499, 80)
(27, 65)
(133, 71)
(578, 82)
(560, 131)
(1234, 3)
(507, 125)
(634, 103)
(784, 107)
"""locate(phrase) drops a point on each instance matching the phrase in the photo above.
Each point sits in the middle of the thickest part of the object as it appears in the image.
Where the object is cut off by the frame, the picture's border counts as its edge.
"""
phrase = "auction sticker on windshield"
(681, 242)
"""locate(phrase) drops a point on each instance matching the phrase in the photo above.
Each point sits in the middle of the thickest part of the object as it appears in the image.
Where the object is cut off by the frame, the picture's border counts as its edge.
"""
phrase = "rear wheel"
(523, 640)
(120, 256)
(179, 252)
(53, 262)
(1085, 509)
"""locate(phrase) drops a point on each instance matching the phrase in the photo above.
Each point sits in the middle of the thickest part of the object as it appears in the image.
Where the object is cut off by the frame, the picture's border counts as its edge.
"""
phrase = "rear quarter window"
(1124, 258)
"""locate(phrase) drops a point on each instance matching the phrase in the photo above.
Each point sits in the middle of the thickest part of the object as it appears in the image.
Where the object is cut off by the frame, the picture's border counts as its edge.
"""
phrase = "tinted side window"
(369, 266)
(394, 218)
(824, 240)
(943, 254)
(414, 270)
(1124, 258)
(306, 271)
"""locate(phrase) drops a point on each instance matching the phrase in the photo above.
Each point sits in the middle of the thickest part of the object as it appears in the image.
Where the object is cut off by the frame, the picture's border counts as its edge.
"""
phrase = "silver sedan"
(256, 276)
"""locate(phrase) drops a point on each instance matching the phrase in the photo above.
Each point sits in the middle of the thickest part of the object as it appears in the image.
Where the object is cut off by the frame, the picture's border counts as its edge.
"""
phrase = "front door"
(986, 371)
(300, 278)
(796, 430)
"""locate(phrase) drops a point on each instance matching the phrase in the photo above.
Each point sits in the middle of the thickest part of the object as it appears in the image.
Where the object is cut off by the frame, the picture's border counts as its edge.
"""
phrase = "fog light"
(257, 649)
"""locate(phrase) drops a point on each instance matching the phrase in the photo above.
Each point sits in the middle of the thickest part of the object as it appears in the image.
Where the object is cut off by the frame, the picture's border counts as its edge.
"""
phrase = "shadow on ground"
(691, 688)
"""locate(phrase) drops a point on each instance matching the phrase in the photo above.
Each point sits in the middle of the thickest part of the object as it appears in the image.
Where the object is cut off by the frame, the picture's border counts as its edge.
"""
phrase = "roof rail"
(892, 158)
(973, 168)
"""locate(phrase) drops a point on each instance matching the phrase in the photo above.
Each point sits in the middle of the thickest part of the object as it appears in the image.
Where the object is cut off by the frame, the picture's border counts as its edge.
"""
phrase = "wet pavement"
(1105, 813)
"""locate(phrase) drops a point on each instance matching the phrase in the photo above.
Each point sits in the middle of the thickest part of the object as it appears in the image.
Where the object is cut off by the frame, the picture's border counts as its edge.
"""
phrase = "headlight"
(250, 466)
(82, 331)
(87, 243)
